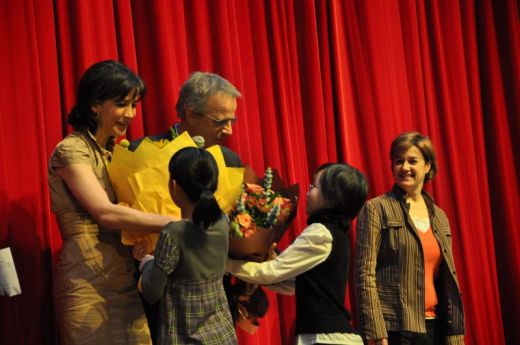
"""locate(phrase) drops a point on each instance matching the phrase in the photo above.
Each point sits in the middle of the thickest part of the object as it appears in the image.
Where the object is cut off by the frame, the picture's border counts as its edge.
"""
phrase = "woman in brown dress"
(96, 299)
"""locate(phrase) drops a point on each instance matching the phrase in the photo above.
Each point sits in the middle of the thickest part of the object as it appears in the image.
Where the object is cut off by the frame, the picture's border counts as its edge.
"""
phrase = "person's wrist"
(144, 260)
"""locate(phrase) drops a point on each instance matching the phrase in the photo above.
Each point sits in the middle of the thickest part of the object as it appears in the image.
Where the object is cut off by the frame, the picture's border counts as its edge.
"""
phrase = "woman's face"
(114, 116)
(315, 198)
(409, 169)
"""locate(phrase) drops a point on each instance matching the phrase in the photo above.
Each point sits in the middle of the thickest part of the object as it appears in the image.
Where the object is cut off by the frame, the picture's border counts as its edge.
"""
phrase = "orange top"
(432, 261)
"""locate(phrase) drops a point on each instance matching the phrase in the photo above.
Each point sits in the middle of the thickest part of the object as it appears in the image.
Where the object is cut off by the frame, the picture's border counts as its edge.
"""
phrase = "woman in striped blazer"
(407, 287)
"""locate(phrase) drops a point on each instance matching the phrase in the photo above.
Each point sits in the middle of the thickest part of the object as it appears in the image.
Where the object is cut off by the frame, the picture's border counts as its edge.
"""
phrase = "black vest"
(320, 292)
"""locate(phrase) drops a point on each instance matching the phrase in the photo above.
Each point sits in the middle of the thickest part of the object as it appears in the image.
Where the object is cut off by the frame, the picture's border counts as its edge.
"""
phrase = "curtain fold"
(499, 51)
(321, 81)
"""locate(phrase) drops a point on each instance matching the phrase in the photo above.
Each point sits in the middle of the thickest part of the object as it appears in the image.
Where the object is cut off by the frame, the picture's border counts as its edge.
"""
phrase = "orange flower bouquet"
(260, 217)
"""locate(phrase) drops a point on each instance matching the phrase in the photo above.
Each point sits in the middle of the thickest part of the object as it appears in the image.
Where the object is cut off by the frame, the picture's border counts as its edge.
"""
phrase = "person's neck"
(414, 196)
(180, 127)
(101, 138)
(187, 211)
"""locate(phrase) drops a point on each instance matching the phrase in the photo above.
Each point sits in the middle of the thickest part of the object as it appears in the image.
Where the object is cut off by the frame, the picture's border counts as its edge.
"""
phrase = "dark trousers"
(433, 335)
(151, 310)
(152, 316)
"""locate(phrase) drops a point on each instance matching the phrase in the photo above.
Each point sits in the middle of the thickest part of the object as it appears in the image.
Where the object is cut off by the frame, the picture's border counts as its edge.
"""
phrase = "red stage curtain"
(321, 81)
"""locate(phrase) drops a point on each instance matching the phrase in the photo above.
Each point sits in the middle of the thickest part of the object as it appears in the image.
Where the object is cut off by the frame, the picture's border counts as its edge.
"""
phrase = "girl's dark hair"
(105, 80)
(196, 172)
(344, 187)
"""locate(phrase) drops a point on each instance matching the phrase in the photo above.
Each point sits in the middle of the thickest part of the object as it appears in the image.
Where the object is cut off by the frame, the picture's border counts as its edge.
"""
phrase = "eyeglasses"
(221, 122)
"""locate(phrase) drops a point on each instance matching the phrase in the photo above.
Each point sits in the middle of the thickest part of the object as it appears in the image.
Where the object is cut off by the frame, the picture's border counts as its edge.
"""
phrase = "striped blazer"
(390, 270)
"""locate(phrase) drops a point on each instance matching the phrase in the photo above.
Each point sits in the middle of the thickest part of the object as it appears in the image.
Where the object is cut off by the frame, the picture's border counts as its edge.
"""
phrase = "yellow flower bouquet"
(140, 180)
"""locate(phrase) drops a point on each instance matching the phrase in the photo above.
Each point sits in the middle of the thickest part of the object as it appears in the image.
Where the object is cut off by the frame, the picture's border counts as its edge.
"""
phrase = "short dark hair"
(196, 172)
(198, 88)
(344, 187)
(104, 80)
(408, 139)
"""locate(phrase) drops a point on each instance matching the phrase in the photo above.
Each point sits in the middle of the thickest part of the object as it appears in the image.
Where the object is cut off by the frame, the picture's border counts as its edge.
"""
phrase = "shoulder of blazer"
(231, 158)
(156, 137)
(440, 217)
(388, 207)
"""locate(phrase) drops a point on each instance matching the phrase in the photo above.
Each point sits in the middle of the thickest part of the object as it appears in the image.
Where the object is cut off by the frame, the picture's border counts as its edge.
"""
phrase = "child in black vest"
(315, 266)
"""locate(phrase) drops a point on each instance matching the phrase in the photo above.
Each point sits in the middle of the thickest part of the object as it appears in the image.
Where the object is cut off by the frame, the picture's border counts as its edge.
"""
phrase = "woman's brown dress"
(96, 298)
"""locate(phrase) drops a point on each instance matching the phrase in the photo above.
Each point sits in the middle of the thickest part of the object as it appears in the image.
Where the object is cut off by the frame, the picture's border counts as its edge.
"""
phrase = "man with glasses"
(206, 108)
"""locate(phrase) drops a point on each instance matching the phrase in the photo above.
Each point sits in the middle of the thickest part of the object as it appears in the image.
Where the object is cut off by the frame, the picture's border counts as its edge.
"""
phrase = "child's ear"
(95, 108)
(171, 188)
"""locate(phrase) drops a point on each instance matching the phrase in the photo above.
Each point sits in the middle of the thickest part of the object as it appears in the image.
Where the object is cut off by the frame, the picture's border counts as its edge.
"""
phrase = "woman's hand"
(140, 250)
(272, 253)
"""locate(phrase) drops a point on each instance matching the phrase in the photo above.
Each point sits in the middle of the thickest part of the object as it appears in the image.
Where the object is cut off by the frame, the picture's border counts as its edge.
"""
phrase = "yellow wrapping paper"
(140, 179)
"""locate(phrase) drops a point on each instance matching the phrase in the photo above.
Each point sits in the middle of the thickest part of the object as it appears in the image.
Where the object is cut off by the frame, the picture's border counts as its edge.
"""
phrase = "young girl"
(315, 266)
(190, 256)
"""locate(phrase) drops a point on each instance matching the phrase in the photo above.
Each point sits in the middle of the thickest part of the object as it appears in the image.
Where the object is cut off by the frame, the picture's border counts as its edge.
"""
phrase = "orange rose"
(244, 220)
(280, 201)
(254, 188)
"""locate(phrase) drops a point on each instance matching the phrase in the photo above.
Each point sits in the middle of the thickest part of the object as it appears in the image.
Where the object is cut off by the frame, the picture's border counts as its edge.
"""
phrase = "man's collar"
(175, 130)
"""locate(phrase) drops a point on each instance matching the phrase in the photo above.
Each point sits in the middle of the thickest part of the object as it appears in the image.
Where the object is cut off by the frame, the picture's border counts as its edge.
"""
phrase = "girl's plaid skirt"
(196, 312)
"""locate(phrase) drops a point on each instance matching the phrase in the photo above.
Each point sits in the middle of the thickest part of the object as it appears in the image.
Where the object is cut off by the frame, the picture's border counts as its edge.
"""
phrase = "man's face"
(213, 125)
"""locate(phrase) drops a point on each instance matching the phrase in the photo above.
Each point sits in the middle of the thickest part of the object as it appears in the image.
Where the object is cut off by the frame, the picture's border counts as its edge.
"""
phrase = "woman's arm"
(85, 187)
(368, 241)
(308, 250)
